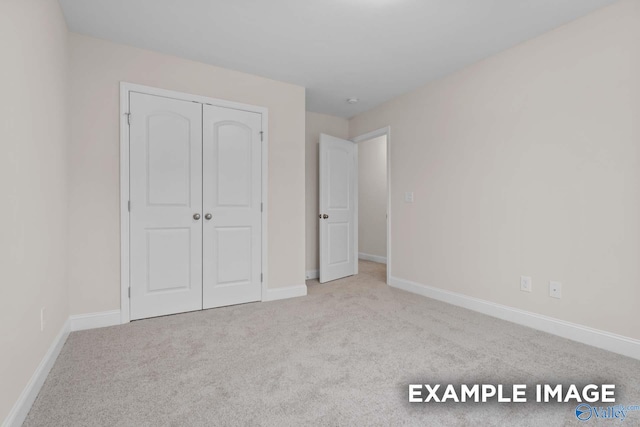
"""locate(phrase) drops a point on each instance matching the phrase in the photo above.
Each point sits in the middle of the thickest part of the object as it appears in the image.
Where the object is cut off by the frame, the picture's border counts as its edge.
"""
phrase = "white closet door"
(232, 195)
(166, 205)
(338, 193)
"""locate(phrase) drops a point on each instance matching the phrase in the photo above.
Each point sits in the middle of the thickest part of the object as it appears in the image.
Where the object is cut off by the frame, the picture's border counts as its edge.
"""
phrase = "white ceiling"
(369, 49)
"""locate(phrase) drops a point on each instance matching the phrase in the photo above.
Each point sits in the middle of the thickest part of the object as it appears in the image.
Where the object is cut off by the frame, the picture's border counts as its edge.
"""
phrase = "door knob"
(208, 216)
(325, 216)
(196, 216)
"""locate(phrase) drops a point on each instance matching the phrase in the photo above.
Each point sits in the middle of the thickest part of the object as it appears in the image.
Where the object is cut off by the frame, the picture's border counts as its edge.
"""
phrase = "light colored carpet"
(343, 355)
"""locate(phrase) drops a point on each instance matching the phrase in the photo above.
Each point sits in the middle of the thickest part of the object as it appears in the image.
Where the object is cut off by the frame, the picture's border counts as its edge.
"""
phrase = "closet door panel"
(232, 195)
(165, 147)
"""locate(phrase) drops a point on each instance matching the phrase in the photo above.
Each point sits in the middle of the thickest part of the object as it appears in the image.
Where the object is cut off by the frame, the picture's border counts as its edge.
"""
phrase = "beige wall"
(97, 68)
(317, 124)
(527, 163)
(372, 197)
(34, 134)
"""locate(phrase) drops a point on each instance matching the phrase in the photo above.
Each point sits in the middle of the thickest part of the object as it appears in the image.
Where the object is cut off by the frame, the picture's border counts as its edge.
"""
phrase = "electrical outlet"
(42, 319)
(408, 197)
(526, 284)
(555, 289)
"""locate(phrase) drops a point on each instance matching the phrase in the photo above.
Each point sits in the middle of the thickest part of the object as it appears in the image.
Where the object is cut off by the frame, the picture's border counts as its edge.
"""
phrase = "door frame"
(125, 90)
(385, 131)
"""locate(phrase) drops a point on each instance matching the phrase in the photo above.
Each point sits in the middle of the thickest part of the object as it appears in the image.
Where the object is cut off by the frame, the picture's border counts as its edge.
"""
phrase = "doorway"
(369, 136)
(354, 200)
(372, 199)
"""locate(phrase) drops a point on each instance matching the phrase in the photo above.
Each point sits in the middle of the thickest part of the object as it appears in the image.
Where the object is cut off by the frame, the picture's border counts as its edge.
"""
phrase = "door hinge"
(261, 277)
(129, 205)
(261, 207)
(129, 292)
(128, 118)
(261, 136)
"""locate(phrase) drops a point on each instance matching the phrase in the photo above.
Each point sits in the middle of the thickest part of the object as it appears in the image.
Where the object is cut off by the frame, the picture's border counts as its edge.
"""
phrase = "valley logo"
(585, 412)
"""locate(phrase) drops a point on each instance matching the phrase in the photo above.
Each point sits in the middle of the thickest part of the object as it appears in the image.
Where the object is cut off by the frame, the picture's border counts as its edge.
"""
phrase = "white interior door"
(337, 216)
(165, 144)
(232, 197)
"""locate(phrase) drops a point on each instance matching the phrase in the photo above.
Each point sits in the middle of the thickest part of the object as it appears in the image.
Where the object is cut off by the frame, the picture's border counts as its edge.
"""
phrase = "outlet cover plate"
(526, 284)
(555, 289)
(408, 197)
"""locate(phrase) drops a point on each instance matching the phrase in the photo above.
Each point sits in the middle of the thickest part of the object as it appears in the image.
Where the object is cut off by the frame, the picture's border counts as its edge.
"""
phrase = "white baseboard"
(374, 258)
(80, 322)
(605, 340)
(22, 406)
(284, 293)
(312, 274)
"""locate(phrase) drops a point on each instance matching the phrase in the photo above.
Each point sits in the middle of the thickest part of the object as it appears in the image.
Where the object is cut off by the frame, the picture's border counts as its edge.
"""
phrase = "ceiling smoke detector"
(352, 100)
